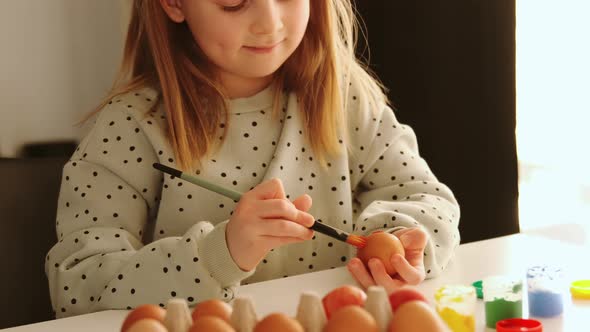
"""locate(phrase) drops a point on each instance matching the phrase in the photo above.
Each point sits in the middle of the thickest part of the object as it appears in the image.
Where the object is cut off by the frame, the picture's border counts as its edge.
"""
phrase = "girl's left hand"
(410, 269)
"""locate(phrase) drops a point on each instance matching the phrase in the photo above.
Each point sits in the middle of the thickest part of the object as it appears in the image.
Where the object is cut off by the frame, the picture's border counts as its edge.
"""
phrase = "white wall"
(57, 60)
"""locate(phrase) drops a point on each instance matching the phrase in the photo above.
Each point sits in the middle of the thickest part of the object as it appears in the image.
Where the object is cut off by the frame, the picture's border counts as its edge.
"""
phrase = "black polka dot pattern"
(130, 235)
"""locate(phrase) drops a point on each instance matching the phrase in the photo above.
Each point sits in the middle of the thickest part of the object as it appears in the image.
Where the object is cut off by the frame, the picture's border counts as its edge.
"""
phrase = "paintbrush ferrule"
(329, 231)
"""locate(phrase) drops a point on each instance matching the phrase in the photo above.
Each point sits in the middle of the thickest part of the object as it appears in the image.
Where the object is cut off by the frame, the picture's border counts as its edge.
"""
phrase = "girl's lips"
(263, 49)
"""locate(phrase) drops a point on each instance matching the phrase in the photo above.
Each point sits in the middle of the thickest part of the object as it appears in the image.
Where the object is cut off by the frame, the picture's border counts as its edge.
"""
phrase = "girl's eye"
(234, 8)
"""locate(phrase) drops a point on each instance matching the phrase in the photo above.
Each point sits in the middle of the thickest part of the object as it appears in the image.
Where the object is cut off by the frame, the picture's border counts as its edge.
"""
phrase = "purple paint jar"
(546, 286)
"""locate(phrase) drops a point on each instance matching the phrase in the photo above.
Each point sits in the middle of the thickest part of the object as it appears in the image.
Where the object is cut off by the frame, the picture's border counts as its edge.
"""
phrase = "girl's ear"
(174, 10)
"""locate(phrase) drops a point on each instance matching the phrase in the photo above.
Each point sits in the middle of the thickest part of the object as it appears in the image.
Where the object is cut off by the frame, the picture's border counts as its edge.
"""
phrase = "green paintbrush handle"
(199, 182)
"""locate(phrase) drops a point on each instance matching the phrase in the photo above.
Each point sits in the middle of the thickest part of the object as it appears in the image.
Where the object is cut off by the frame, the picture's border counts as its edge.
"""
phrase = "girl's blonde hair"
(163, 55)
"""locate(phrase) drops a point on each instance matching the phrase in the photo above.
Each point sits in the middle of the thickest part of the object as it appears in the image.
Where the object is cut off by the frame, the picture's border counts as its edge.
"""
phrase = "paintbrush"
(355, 240)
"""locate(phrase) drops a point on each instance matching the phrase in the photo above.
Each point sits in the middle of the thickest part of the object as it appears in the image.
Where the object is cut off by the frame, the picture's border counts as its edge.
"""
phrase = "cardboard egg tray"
(310, 312)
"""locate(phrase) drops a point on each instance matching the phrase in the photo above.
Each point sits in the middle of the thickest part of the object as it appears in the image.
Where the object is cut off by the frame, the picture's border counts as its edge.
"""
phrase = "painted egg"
(381, 245)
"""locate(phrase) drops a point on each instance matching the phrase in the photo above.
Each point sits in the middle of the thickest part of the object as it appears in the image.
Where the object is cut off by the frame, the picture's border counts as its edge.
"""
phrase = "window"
(553, 111)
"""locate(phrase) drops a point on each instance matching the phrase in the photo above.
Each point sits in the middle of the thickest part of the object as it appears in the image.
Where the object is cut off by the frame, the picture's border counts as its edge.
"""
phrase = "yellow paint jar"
(455, 304)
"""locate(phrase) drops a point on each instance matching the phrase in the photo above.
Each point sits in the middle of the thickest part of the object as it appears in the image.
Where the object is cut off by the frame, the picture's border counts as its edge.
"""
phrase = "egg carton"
(310, 312)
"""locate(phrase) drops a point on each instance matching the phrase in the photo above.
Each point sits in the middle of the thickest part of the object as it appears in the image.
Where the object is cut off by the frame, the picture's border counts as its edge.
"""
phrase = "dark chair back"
(29, 191)
(450, 68)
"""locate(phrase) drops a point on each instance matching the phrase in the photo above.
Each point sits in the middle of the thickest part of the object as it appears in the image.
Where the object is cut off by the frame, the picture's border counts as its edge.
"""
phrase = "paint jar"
(502, 297)
(580, 289)
(519, 325)
(455, 304)
(546, 286)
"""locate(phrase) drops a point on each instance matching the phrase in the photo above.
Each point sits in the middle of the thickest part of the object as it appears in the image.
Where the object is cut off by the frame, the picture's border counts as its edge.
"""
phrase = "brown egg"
(351, 318)
(211, 324)
(278, 322)
(143, 312)
(147, 325)
(416, 316)
(213, 307)
(381, 245)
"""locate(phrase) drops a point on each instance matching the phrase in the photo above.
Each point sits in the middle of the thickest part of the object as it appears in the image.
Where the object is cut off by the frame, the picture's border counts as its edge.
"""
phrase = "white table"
(566, 246)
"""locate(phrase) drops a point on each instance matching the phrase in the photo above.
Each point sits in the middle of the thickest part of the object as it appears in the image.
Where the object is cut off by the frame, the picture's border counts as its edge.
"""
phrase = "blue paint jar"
(546, 288)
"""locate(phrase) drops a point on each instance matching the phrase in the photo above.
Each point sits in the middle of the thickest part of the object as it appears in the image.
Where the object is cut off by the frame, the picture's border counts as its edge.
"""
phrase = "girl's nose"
(268, 18)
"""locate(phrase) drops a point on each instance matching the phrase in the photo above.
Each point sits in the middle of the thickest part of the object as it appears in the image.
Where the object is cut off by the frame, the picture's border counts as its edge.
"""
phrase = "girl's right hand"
(265, 219)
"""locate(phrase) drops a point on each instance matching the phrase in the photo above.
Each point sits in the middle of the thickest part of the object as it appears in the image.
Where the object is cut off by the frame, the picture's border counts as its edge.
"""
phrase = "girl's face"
(247, 40)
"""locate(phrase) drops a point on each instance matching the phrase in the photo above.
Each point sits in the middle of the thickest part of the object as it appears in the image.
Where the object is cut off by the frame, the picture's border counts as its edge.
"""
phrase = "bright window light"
(553, 111)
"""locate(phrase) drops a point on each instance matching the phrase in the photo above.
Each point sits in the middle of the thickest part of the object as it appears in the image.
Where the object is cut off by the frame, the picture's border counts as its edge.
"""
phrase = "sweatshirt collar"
(260, 101)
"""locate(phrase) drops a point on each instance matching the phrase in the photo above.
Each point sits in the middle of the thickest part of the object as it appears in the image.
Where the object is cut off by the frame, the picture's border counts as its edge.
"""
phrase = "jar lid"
(455, 293)
(544, 271)
(519, 325)
(580, 289)
(478, 288)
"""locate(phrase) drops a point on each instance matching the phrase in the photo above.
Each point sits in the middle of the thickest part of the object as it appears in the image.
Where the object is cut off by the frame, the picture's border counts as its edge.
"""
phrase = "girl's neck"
(242, 87)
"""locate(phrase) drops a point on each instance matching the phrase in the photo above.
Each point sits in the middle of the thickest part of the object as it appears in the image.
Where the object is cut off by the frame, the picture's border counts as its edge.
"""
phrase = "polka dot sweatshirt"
(129, 234)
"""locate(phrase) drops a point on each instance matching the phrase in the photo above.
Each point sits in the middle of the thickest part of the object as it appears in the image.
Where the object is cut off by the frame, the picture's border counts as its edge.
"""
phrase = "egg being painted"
(381, 245)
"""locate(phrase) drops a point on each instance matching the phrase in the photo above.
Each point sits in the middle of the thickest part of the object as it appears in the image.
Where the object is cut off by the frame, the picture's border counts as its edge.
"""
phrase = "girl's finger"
(272, 242)
(276, 208)
(415, 257)
(402, 231)
(412, 238)
(303, 202)
(283, 209)
(410, 274)
(305, 219)
(382, 278)
(378, 272)
(283, 228)
(360, 273)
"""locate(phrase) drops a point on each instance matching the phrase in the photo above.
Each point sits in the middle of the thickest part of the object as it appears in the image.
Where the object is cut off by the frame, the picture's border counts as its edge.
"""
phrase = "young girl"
(262, 96)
